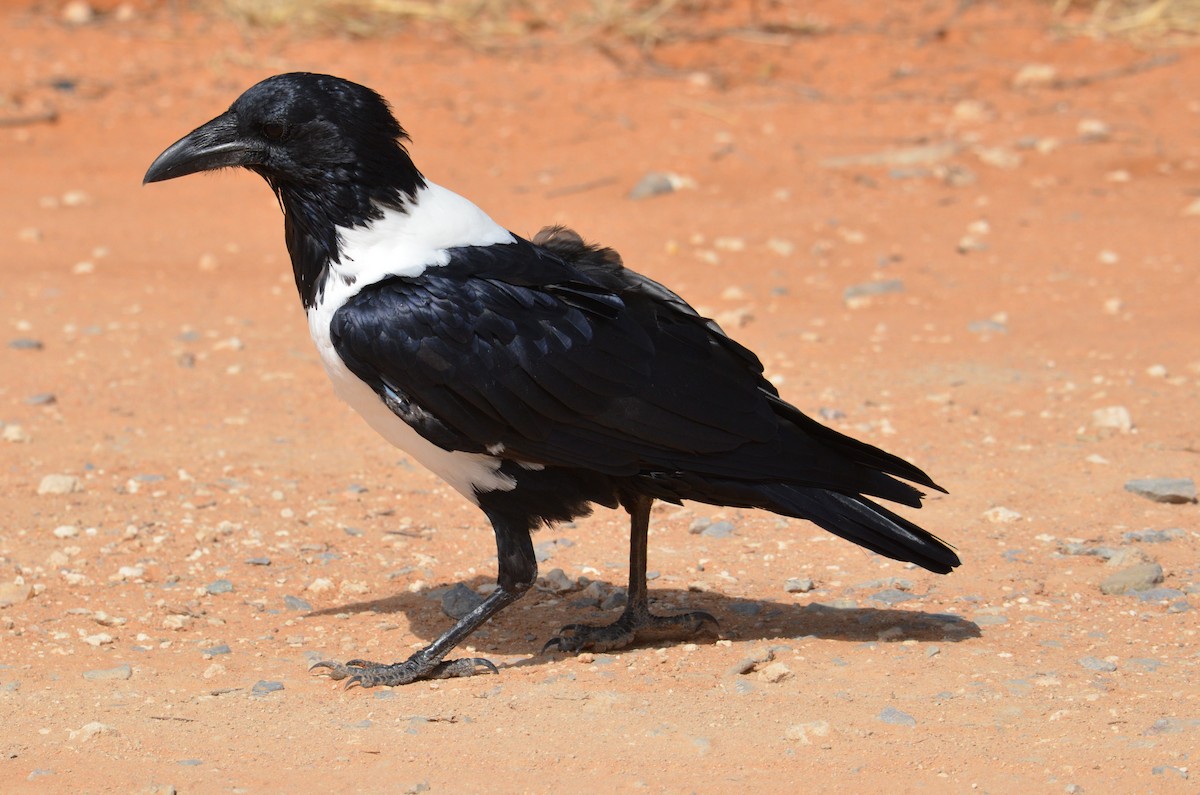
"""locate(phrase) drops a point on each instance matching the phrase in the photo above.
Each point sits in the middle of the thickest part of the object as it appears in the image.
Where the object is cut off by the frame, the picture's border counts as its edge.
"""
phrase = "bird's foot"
(635, 624)
(365, 673)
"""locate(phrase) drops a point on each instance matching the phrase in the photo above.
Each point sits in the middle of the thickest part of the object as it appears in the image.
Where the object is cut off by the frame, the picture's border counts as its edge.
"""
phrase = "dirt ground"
(955, 236)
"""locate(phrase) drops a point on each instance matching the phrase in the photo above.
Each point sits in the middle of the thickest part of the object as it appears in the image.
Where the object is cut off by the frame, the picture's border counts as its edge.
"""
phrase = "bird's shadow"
(518, 631)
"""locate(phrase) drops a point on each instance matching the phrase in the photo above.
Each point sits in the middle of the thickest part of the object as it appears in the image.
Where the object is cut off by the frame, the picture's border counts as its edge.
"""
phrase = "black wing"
(513, 348)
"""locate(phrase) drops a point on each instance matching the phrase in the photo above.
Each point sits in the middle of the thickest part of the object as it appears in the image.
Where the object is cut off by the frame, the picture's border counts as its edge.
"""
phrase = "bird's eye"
(274, 131)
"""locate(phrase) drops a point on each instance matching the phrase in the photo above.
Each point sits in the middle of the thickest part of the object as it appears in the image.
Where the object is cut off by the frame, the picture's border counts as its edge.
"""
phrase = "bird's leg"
(636, 623)
(517, 572)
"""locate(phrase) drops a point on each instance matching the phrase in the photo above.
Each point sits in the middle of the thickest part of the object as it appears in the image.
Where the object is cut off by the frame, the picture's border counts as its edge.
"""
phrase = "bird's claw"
(365, 673)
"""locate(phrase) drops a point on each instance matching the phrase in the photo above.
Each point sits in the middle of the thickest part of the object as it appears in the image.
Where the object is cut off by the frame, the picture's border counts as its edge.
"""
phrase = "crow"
(536, 377)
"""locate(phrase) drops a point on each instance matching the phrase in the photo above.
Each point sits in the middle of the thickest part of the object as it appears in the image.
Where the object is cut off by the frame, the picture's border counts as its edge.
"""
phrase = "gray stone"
(555, 581)
(1160, 770)
(654, 183)
(891, 596)
(1097, 664)
(799, 585)
(897, 718)
(25, 344)
(858, 292)
(296, 603)
(1142, 577)
(59, 484)
(220, 586)
(718, 530)
(1172, 726)
(1159, 595)
(617, 598)
(262, 687)
(1173, 490)
(123, 671)
(459, 600)
(1152, 536)
(214, 651)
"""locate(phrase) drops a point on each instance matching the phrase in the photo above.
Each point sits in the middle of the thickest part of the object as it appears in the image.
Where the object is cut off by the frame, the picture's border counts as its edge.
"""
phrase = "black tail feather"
(851, 516)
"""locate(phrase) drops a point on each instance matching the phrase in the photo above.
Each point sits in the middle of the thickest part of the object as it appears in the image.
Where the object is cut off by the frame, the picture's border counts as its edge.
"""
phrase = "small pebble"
(556, 581)
(897, 718)
(1097, 664)
(25, 344)
(804, 733)
(1152, 536)
(891, 596)
(657, 183)
(1001, 515)
(1161, 770)
(1113, 418)
(262, 687)
(59, 484)
(1142, 577)
(219, 587)
(89, 730)
(718, 530)
(123, 671)
(12, 593)
(78, 12)
(459, 600)
(1169, 490)
(1093, 130)
(1034, 75)
(799, 585)
(296, 603)
(858, 295)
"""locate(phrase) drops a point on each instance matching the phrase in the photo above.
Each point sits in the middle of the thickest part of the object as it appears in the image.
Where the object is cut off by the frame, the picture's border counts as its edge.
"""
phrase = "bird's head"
(304, 133)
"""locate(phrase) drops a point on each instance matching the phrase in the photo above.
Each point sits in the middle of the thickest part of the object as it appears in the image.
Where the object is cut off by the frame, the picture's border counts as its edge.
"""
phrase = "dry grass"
(479, 21)
(1139, 19)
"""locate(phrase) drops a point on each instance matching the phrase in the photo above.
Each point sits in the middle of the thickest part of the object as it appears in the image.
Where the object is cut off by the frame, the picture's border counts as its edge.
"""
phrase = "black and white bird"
(536, 377)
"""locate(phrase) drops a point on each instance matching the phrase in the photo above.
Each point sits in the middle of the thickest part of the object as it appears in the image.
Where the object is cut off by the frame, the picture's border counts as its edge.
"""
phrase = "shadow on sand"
(523, 627)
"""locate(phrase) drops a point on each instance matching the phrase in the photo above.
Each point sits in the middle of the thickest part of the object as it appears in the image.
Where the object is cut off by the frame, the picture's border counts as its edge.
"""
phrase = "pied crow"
(536, 377)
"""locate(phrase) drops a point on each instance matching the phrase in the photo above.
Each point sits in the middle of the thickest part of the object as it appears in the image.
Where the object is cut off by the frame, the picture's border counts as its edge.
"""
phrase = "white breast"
(405, 244)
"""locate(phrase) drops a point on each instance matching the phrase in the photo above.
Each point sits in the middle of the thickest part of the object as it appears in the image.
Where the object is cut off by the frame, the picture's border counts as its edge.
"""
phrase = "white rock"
(1113, 418)
(89, 730)
(59, 484)
(1001, 515)
(804, 732)
(1034, 74)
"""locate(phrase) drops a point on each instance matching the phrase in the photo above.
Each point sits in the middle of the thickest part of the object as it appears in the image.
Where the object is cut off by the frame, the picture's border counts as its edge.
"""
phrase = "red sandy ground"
(189, 403)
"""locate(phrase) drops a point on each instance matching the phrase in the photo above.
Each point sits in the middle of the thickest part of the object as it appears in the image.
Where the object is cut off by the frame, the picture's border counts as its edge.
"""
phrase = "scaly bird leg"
(636, 623)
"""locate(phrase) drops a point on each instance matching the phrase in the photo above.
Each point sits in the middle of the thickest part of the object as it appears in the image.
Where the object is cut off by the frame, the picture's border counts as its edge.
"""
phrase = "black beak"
(216, 144)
